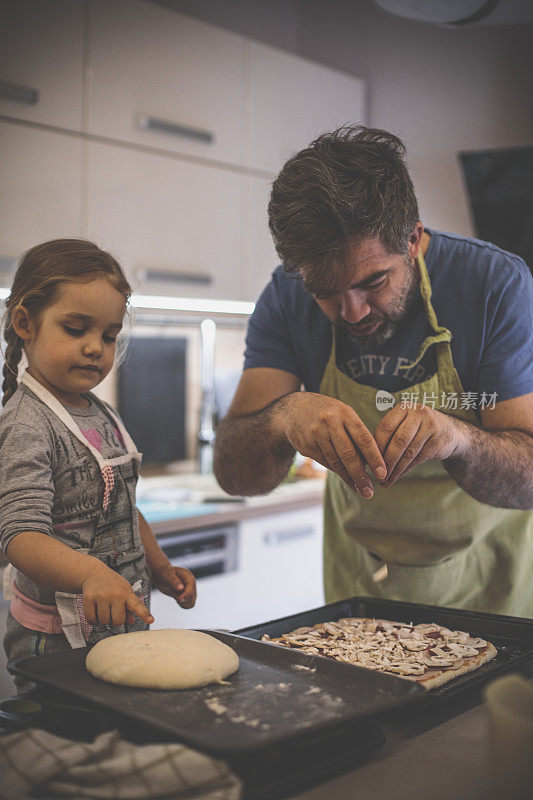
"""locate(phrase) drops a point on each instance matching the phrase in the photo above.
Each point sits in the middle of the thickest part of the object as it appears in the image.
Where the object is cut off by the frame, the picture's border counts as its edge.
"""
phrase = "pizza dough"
(428, 654)
(162, 659)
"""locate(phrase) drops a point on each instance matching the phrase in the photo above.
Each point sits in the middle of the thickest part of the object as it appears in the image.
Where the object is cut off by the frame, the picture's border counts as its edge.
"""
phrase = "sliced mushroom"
(406, 668)
(414, 646)
(459, 636)
(477, 643)
(462, 650)
(438, 661)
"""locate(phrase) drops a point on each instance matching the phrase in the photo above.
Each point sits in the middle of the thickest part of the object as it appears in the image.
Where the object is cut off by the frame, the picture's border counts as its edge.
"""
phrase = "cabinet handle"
(147, 123)
(22, 94)
(279, 537)
(176, 277)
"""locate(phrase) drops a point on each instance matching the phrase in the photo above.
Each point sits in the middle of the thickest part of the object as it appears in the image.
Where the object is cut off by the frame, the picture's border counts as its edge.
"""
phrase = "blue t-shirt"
(482, 294)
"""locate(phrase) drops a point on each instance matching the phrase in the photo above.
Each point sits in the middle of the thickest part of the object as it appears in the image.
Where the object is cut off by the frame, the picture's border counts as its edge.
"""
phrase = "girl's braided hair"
(40, 273)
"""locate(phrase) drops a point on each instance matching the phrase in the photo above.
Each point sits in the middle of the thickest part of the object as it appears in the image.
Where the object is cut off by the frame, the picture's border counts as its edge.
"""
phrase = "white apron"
(67, 616)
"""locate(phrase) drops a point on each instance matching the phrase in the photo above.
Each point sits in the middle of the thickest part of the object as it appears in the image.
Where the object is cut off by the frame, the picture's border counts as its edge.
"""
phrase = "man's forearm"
(495, 467)
(251, 457)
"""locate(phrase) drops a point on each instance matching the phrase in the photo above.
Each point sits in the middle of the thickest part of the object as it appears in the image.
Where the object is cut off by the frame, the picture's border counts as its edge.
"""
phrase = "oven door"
(213, 556)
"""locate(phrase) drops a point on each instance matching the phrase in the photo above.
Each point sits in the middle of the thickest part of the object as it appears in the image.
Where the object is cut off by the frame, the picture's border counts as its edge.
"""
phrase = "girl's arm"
(107, 596)
(155, 558)
(177, 582)
(51, 563)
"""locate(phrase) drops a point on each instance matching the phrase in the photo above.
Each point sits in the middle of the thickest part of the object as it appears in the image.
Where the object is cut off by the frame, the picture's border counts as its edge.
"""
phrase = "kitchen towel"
(36, 764)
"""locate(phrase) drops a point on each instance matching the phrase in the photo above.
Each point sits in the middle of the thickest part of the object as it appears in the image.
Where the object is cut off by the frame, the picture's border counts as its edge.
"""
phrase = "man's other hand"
(409, 436)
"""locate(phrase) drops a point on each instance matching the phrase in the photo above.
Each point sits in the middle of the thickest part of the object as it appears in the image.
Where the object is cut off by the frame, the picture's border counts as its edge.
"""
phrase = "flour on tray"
(273, 705)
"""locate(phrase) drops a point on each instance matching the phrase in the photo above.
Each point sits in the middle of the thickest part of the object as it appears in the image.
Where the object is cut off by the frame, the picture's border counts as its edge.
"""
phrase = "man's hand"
(108, 598)
(176, 582)
(409, 436)
(331, 433)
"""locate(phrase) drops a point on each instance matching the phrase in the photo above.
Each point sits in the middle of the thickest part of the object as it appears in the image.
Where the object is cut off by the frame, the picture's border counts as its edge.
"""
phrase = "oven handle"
(274, 538)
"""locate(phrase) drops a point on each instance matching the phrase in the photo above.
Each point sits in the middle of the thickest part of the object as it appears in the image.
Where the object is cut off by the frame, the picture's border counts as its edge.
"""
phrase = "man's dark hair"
(346, 186)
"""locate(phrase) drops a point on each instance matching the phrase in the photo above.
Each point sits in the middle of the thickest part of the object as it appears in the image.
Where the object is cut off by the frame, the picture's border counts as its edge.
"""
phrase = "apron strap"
(105, 464)
(7, 581)
(128, 441)
(61, 412)
(441, 336)
(73, 622)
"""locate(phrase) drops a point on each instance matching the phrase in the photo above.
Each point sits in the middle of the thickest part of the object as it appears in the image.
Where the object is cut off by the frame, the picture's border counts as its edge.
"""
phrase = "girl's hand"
(108, 598)
(177, 582)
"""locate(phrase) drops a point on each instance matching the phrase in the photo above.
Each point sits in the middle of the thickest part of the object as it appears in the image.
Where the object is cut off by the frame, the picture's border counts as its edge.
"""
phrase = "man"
(415, 350)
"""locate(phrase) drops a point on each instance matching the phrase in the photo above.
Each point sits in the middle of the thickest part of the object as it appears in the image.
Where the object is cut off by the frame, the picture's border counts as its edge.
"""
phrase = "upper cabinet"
(41, 61)
(157, 135)
(292, 101)
(162, 79)
(259, 254)
(40, 187)
(175, 226)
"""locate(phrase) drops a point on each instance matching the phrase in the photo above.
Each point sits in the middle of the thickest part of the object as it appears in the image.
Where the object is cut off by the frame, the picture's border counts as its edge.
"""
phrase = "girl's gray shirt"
(50, 482)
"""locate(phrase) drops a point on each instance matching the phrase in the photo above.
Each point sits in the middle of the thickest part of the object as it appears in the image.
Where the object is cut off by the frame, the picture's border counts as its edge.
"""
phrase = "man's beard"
(399, 311)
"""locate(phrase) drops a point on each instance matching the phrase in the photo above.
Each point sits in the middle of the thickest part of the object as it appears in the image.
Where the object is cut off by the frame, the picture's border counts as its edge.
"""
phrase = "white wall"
(273, 22)
(441, 90)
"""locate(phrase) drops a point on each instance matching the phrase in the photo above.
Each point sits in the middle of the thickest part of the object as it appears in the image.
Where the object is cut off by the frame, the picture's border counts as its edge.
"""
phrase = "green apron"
(439, 545)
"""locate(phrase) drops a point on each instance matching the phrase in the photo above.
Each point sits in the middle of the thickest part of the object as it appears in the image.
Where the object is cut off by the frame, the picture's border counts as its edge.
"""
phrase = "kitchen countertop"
(447, 762)
(181, 515)
(442, 754)
(205, 504)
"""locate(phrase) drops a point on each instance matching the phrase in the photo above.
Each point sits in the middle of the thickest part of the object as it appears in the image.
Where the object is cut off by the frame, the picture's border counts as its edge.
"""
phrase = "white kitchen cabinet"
(40, 187)
(260, 257)
(150, 62)
(279, 572)
(282, 563)
(159, 214)
(292, 101)
(221, 603)
(41, 61)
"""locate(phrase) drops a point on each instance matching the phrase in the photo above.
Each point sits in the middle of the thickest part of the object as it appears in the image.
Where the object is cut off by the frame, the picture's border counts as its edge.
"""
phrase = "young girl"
(83, 558)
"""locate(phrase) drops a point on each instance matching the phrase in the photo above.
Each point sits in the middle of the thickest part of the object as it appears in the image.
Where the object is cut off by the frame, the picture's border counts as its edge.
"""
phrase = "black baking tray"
(512, 636)
(275, 773)
(276, 696)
